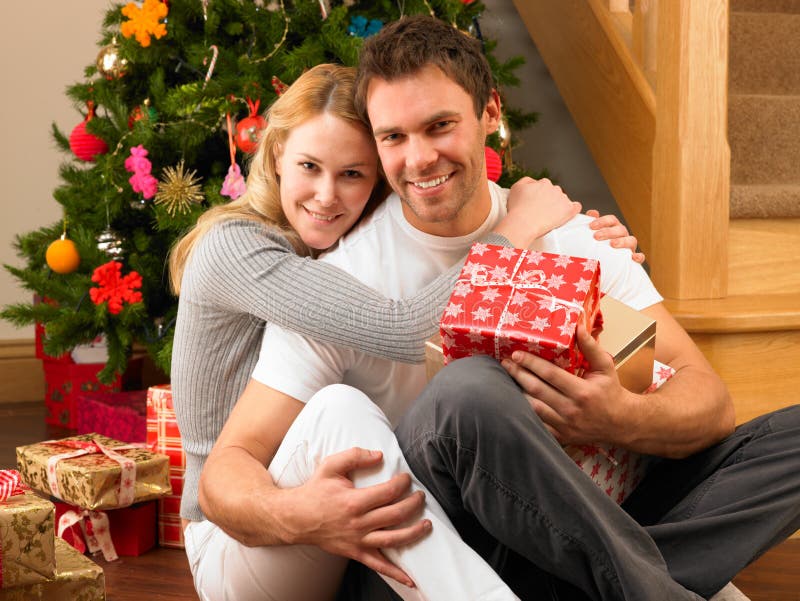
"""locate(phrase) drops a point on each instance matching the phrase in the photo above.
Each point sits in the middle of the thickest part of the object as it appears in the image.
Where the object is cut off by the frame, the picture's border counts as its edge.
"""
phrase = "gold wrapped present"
(77, 578)
(26, 535)
(94, 472)
(628, 335)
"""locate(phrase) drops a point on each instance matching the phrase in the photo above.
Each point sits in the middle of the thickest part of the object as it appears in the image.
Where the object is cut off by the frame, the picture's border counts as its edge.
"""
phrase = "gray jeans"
(514, 496)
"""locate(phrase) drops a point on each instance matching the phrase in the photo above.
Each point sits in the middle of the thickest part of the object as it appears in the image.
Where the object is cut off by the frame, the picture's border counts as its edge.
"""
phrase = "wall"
(38, 62)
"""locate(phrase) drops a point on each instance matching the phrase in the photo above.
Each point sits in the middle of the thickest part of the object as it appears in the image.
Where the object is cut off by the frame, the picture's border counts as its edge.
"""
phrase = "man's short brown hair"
(405, 46)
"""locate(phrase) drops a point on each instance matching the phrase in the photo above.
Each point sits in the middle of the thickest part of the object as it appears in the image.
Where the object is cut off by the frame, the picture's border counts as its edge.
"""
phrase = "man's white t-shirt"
(387, 253)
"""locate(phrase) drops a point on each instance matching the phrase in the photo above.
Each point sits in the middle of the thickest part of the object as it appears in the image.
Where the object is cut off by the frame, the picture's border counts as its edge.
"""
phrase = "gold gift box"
(628, 335)
(92, 481)
(26, 540)
(77, 578)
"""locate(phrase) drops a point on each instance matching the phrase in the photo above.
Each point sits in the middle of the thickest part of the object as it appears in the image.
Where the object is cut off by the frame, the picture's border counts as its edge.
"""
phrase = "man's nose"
(421, 154)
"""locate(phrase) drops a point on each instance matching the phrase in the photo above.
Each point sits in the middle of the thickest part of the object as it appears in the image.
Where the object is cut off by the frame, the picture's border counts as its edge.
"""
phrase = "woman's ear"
(277, 152)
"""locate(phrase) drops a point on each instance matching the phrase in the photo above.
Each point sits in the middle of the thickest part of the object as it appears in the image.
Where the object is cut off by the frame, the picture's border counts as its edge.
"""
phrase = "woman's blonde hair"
(325, 88)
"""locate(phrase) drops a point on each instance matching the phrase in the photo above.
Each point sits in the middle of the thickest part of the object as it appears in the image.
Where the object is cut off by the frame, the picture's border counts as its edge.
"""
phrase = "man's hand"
(609, 227)
(358, 522)
(575, 410)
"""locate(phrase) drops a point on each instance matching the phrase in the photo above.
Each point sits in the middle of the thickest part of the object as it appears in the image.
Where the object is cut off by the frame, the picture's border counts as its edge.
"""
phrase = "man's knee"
(342, 408)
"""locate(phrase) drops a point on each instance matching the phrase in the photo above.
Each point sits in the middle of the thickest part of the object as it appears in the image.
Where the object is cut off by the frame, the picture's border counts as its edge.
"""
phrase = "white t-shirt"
(389, 254)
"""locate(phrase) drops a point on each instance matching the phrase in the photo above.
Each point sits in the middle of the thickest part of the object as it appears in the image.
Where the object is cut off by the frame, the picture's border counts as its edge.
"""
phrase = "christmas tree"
(171, 108)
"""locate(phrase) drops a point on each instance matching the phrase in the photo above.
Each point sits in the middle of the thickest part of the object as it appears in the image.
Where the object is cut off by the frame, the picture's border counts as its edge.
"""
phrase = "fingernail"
(516, 357)
(506, 363)
(427, 525)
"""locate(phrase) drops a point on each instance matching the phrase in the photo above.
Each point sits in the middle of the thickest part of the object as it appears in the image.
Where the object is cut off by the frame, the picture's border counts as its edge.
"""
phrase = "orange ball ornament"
(62, 256)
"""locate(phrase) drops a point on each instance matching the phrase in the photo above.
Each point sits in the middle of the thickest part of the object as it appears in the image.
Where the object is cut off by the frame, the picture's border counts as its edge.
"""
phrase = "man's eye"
(391, 138)
(442, 124)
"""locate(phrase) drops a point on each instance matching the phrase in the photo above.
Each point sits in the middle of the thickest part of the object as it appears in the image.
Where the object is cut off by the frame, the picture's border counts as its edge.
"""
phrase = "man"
(486, 447)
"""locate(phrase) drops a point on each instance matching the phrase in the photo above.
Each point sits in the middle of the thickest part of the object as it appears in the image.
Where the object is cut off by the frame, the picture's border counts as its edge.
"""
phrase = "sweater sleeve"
(247, 267)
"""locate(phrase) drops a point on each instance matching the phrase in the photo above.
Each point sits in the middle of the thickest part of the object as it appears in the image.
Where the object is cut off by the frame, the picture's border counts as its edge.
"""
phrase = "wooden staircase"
(648, 84)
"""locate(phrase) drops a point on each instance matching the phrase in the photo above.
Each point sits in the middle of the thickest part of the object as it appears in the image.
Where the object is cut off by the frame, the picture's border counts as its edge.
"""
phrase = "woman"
(308, 185)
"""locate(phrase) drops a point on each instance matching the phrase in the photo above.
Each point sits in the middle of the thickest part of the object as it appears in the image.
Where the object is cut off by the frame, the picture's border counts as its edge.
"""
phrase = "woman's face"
(328, 168)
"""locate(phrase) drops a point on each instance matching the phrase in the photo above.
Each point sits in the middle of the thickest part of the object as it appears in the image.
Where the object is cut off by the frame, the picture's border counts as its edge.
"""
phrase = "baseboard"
(21, 377)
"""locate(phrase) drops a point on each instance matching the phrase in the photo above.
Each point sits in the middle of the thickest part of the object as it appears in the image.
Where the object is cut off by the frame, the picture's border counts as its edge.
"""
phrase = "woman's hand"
(609, 227)
(534, 208)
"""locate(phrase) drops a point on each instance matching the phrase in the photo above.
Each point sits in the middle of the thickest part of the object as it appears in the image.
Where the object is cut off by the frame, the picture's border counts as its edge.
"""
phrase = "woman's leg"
(337, 418)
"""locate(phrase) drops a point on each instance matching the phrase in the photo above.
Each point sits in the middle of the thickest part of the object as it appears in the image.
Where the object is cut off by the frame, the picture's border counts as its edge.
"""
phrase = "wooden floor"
(163, 574)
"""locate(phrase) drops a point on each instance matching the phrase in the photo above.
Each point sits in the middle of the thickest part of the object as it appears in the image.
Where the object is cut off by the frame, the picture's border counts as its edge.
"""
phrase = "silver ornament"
(109, 242)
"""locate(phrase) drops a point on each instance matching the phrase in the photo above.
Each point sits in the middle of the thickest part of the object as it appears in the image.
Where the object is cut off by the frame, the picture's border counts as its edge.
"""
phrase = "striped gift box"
(163, 437)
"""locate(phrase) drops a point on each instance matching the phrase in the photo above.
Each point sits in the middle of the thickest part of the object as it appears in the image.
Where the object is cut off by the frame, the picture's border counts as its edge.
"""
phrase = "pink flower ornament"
(234, 185)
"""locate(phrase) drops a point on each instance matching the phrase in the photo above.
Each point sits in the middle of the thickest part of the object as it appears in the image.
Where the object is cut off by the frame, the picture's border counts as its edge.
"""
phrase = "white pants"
(337, 418)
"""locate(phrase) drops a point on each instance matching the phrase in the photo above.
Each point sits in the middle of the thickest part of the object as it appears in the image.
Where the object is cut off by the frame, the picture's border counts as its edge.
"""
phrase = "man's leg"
(476, 444)
(713, 513)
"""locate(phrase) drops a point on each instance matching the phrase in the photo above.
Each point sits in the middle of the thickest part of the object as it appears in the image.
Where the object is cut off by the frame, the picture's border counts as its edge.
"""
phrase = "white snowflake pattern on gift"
(590, 264)
(448, 341)
(472, 268)
(499, 274)
(555, 281)
(567, 327)
(583, 285)
(534, 347)
(479, 248)
(454, 310)
(462, 289)
(561, 361)
(540, 323)
(563, 261)
(490, 295)
(519, 298)
(534, 257)
(475, 336)
(511, 319)
(447, 331)
(481, 314)
(507, 253)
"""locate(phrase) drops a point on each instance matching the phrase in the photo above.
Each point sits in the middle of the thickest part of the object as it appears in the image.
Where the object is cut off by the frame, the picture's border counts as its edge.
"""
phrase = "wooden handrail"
(651, 104)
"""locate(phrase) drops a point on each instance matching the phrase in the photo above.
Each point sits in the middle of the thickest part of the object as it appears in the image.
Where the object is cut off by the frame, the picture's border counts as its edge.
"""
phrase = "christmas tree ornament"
(143, 111)
(178, 190)
(324, 8)
(214, 55)
(361, 27)
(144, 22)
(110, 64)
(62, 255)
(504, 133)
(234, 185)
(142, 180)
(249, 129)
(110, 243)
(494, 166)
(84, 145)
(113, 288)
(278, 85)
(205, 9)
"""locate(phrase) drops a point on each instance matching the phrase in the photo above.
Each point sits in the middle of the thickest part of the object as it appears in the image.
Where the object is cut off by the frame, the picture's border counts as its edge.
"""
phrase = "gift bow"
(127, 481)
(11, 484)
(94, 528)
(534, 281)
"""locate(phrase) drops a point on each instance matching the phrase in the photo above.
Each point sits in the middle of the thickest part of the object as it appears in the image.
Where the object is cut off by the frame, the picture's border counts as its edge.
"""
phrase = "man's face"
(431, 145)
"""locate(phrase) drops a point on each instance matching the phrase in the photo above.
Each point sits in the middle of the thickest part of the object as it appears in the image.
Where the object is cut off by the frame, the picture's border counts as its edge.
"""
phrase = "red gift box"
(507, 299)
(132, 529)
(63, 382)
(39, 336)
(118, 415)
(164, 437)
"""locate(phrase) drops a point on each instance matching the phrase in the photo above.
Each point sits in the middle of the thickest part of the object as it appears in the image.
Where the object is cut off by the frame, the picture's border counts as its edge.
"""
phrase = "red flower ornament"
(115, 288)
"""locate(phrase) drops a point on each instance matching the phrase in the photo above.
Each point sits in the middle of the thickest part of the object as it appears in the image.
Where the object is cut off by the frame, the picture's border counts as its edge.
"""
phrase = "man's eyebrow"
(387, 129)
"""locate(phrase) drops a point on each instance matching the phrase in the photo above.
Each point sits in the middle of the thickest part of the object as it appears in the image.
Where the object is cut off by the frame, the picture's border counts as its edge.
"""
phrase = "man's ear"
(492, 113)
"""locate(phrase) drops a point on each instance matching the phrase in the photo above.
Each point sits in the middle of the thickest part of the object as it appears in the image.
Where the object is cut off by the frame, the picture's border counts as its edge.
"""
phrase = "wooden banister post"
(691, 156)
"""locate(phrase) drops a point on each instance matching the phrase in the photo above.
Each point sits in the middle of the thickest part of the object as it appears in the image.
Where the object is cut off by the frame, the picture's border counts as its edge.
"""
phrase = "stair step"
(764, 53)
(762, 257)
(765, 201)
(745, 313)
(763, 131)
(766, 6)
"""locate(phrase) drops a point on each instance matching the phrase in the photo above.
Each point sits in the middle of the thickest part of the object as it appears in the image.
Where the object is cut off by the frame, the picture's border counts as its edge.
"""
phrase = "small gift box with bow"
(76, 578)
(507, 299)
(94, 472)
(26, 534)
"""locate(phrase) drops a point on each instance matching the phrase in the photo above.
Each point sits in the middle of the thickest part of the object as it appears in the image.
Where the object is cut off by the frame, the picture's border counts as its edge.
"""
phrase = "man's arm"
(687, 414)
(239, 495)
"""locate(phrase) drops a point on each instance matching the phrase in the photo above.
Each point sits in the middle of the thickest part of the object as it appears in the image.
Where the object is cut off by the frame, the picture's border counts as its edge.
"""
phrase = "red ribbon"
(11, 485)
(94, 528)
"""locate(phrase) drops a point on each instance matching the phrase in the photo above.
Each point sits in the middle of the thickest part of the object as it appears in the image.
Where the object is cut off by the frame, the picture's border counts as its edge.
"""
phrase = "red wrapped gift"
(40, 334)
(507, 299)
(163, 437)
(118, 415)
(132, 529)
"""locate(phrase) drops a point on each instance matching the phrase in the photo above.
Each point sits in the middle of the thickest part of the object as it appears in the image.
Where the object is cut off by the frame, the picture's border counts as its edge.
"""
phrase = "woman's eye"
(307, 165)
(352, 173)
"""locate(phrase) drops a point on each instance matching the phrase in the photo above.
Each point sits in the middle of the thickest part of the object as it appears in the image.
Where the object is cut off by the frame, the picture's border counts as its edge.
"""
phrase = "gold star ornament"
(178, 190)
